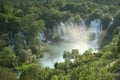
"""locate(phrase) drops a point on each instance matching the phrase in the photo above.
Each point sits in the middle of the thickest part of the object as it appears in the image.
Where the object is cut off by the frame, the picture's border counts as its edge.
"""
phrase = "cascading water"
(95, 28)
(42, 37)
(68, 36)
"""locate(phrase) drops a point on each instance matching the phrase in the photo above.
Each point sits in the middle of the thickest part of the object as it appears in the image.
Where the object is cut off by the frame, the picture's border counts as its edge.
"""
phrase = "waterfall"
(68, 36)
(70, 31)
(95, 28)
(42, 37)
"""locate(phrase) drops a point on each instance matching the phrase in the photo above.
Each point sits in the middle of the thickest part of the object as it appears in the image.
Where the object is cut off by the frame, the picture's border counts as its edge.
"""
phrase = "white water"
(42, 37)
(96, 28)
(68, 36)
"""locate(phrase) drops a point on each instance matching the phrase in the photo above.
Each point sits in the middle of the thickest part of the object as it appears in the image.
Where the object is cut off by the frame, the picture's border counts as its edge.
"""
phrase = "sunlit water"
(68, 36)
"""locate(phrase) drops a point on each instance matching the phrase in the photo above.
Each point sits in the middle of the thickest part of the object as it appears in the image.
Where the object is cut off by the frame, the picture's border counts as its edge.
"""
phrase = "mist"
(67, 36)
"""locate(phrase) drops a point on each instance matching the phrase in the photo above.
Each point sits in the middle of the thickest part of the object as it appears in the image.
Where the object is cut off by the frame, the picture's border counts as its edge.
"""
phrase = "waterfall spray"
(68, 36)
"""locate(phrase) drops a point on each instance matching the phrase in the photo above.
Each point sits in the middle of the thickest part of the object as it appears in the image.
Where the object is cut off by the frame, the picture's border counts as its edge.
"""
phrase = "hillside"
(30, 28)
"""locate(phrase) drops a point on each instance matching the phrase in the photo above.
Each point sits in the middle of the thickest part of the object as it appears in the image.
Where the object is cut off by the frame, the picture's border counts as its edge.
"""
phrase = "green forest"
(20, 48)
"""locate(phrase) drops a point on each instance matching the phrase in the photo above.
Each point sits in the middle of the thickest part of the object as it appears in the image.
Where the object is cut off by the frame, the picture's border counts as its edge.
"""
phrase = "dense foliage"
(22, 20)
